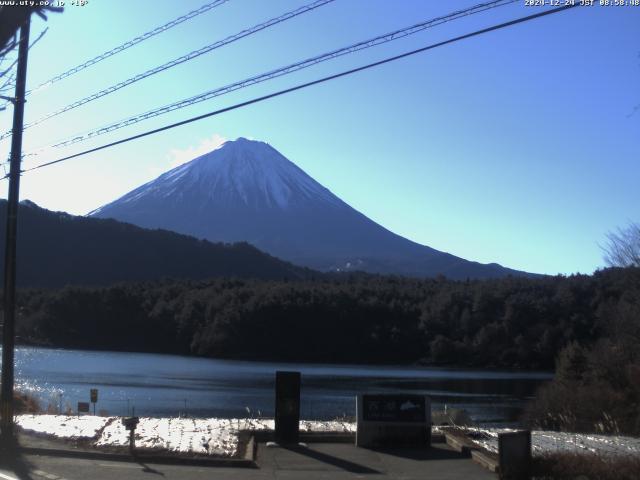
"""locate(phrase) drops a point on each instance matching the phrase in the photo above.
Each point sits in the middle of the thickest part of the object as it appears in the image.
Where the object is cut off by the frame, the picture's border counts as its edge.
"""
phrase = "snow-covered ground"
(203, 436)
(219, 436)
(546, 441)
(212, 436)
(63, 426)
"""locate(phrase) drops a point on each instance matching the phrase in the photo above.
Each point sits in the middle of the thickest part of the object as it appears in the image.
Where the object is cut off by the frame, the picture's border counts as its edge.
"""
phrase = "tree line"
(597, 383)
(510, 322)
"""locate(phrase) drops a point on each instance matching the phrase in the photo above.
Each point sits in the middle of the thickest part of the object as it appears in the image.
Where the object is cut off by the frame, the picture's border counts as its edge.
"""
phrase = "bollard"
(514, 451)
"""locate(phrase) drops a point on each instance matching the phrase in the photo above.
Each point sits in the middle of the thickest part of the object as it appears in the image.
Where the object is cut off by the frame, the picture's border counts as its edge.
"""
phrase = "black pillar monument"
(287, 407)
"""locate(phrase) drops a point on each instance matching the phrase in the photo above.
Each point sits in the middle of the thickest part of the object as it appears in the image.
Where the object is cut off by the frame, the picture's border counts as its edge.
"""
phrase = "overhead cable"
(305, 85)
(130, 43)
(388, 37)
(177, 61)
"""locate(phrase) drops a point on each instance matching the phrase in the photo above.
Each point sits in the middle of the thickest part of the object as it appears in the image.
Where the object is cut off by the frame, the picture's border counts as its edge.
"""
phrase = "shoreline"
(534, 374)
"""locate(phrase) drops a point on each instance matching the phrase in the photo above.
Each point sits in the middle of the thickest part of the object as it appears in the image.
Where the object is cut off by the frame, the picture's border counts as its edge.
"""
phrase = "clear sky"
(518, 147)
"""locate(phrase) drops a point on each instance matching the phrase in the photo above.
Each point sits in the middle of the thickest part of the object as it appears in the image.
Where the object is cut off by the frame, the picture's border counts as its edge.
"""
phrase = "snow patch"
(206, 436)
(548, 441)
(209, 436)
(219, 436)
(63, 426)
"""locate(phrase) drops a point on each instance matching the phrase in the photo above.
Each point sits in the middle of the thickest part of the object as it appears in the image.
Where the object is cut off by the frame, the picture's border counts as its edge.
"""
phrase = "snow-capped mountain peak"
(245, 190)
(250, 171)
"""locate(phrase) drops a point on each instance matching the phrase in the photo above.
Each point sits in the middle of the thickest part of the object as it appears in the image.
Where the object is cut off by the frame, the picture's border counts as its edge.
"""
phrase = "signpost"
(393, 419)
(130, 424)
(83, 407)
(394, 408)
(287, 407)
(94, 398)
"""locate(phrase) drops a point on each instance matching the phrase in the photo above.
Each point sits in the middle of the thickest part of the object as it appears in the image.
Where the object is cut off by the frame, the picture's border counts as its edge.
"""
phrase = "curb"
(485, 460)
(247, 461)
(251, 451)
(477, 454)
(328, 437)
(458, 444)
(309, 437)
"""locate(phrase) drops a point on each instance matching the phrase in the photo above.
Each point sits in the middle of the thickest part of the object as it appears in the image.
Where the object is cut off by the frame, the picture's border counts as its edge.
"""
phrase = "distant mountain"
(56, 248)
(247, 191)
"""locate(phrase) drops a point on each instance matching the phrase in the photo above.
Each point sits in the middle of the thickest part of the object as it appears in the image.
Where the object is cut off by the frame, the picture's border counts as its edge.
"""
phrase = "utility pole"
(8, 332)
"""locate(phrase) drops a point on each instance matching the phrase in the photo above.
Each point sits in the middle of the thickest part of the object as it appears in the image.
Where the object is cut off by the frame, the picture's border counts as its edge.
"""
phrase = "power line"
(388, 37)
(308, 84)
(177, 61)
(130, 43)
(9, 81)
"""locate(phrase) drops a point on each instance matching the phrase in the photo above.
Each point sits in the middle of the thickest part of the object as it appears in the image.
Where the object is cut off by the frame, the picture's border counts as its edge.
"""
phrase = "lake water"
(168, 385)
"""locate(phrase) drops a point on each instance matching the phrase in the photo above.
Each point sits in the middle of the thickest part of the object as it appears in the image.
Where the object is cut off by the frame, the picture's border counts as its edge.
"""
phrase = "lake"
(168, 385)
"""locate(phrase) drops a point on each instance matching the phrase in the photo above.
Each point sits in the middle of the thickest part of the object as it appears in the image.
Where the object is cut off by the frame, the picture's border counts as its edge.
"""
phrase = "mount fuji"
(247, 191)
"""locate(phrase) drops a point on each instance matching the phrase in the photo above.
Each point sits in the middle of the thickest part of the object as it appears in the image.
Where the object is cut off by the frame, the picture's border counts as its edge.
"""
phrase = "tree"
(12, 18)
(623, 247)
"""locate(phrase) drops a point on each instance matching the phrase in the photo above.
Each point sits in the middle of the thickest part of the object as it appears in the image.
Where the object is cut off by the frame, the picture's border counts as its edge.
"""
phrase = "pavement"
(313, 462)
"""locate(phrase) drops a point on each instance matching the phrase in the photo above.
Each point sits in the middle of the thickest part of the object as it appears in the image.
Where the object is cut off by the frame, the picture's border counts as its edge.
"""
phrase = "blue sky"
(517, 147)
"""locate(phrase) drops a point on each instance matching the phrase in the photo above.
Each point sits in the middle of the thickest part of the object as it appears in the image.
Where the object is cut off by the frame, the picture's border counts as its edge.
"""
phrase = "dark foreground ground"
(315, 462)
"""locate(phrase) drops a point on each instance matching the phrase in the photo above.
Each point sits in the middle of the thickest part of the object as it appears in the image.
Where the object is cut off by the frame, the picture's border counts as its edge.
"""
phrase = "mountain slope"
(247, 191)
(56, 248)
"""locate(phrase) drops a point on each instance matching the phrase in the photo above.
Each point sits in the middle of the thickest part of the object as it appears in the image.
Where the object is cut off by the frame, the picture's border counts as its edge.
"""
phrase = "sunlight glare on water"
(165, 385)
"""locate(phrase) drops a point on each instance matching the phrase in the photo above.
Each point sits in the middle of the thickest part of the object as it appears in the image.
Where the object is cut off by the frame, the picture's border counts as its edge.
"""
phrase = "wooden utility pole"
(8, 332)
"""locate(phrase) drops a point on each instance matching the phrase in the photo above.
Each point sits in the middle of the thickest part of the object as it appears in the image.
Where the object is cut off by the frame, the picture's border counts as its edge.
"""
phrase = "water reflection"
(161, 385)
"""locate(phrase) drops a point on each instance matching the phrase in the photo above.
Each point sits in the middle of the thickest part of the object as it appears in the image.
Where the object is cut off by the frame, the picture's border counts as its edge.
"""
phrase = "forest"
(587, 327)
(512, 322)
(92, 251)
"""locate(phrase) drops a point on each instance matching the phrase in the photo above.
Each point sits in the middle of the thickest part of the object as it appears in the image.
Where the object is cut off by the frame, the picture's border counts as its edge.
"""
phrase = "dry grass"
(586, 466)
(25, 403)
